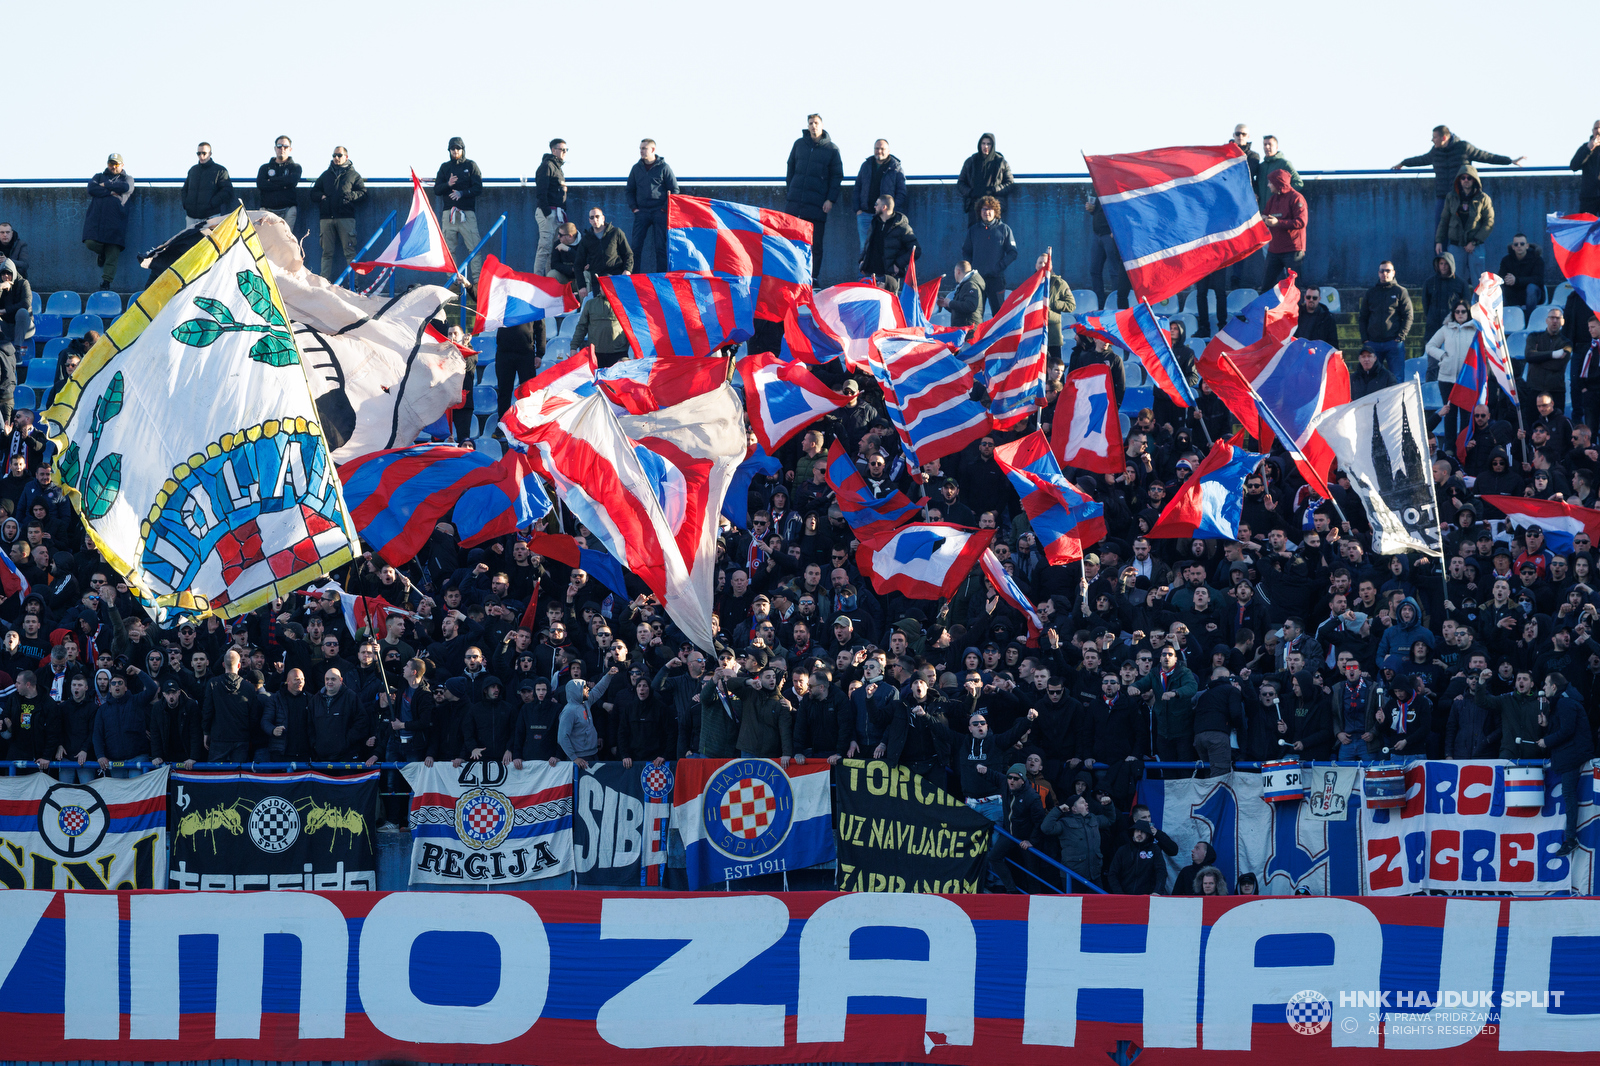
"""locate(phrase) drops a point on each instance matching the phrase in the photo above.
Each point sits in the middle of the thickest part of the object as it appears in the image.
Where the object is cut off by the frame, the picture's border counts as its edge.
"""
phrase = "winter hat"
(1018, 770)
(457, 142)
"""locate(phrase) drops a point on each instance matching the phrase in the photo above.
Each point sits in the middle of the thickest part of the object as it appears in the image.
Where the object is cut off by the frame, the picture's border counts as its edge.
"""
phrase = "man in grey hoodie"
(576, 731)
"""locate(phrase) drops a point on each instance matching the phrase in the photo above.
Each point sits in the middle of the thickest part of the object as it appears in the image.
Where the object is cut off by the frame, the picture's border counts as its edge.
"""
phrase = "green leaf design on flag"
(198, 333)
(255, 290)
(276, 350)
(69, 465)
(104, 484)
(215, 308)
(110, 404)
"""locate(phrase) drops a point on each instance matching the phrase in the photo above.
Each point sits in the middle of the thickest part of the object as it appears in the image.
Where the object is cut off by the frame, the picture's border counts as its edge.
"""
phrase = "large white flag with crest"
(1380, 441)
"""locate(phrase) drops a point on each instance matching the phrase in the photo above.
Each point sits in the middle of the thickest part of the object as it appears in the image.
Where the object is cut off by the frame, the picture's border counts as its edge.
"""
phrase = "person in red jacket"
(1286, 218)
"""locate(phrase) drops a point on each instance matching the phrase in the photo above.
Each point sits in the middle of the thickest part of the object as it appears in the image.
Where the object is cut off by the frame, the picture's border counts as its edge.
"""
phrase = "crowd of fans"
(1292, 641)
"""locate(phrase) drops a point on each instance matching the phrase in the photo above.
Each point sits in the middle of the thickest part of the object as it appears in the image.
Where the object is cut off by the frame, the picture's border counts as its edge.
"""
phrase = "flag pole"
(1438, 512)
(1200, 422)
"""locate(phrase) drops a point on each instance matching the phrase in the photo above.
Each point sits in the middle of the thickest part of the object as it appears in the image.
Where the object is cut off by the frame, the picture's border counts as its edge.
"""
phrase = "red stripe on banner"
(683, 292)
(650, 302)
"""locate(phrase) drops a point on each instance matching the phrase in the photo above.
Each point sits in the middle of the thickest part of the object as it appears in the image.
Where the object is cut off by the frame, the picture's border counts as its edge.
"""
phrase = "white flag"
(1380, 441)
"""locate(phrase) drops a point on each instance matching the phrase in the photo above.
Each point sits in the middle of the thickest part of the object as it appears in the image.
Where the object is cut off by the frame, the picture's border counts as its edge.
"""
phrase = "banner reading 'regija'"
(898, 833)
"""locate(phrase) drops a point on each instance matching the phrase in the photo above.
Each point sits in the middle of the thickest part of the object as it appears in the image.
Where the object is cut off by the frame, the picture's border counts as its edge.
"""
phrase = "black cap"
(169, 685)
(457, 142)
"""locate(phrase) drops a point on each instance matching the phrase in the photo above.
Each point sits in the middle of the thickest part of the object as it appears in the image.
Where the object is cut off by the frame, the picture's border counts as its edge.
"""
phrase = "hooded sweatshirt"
(1140, 869)
(576, 732)
(469, 180)
(1289, 232)
(1448, 346)
(551, 183)
(1397, 639)
(1441, 291)
(983, 175)
(1466, 218)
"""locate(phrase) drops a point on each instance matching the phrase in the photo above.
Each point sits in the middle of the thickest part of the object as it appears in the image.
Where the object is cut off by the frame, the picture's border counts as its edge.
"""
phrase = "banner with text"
(302, 831)
(742, 817)
(1457, 832)
(897, 833)
(484, 823)
(108, 834)
(619, 826)
(734, 979)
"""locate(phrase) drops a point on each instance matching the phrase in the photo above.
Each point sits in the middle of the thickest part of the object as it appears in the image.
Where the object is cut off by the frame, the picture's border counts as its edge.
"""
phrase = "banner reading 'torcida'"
(898, 833)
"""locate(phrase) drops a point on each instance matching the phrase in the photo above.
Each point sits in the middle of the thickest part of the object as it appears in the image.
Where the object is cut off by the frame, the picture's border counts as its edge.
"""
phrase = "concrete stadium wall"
(1354, 222)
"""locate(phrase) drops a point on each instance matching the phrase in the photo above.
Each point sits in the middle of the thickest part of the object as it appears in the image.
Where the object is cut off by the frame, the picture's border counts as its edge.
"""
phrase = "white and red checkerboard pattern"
(73, 821)
(747, 808)
(483, 819)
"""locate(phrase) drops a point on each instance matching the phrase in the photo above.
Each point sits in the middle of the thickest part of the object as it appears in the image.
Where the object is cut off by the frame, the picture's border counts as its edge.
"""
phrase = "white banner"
(1328, 791)
(1457, 834)
(487, 824)
(111, 834)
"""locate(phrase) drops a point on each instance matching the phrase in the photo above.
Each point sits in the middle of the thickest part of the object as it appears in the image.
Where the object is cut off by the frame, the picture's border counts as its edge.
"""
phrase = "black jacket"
(989, 247)
(208, 190)
(991, 752)
(966, 302)
(1319, 326)
(533, 732)
(1567, 740)
(606, 253)
(469, 183)
(339, 728)
(1219, 709)
(891, 181)
(293, 712)
(229, 711)
(278, 183)
(1021, 813)
(487, 725)
(890, 248)
(1141, 869)
(1363, 382)
(649, 186)
(338, 190)
(983, 176)
(1386, 313)
(107, 220)
(823, 724)
(1587, 160)
(1529, 270)
(645, 729)
(813, 177)
(1448, 159)
(550, 182)
(175, 732)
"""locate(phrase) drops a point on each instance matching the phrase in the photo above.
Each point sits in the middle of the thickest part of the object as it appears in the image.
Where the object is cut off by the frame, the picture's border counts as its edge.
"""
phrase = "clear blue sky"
(725, 87)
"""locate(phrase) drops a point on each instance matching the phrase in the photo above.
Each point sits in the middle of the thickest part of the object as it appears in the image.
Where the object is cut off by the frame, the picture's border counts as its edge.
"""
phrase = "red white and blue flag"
(1086, 432)
(1560, 521)
(680, 314)
(1178, 214)
(1007, 587)
(1489, 315)
(567, 551)
(1472, 379)
(739, 241)
(398, 495)
(420, 243)
(783, 398)
(1258, 332)
(12, 583)
(507, 298)
(917, 302)
(852, 312)
(574, 374)
(1060, 515)
(639, 386)
(869, 516)
(923, 561)
(1208, 505)
(1008, 352)
(736, 504)
(1576, 242)
(806, 338)
(513, 500)
(928, 394)
(1140, 331)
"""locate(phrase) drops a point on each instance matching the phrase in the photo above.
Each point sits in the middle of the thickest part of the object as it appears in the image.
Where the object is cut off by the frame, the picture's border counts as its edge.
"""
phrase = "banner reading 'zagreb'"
(733, 979)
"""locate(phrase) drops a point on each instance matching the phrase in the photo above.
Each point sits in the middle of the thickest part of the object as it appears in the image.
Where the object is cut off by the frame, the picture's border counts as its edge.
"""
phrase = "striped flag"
(680, 314)
(420, 243)
(1489, 315)
(1138, 330)
(1008, 352)
(868, 515)
(12, 583)
(769, 248)
(927, 392)
(1006, 586)
(1178, 214)
(783, 398)
(507, 298)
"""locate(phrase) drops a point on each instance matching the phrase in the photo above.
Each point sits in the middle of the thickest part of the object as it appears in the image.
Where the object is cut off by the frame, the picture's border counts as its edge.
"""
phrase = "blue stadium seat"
(64, 303)
(1191, 325)
(1112, 303)
(82, 324)
(41, 373)
(1517, 343)
(1239, 299)
(1137, 398)
(38, 304)
(485, 342)
(486, 405)
(1511, 317)
(1417, 367)
(1087, 300)
(1562, 291)
(1432, 395)
(46, 326)
(558, 347)
(489, 446)
(104, 303)
(1169, 306)
(1330, 298)
(53, 348)
(24, 397)
(1536, 318)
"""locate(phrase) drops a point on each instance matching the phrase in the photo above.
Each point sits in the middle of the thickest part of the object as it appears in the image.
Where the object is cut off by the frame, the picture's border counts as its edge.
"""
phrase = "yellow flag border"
(118, 337)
